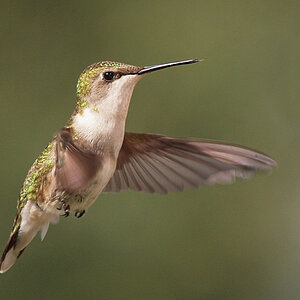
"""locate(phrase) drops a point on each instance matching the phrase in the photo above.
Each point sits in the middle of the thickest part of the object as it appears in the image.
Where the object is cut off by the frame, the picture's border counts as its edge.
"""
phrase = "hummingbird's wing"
(159, 164)
(76, 167)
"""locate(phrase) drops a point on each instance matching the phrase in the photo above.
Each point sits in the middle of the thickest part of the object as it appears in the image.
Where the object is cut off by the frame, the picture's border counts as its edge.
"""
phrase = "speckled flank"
(35, 178)
(90, 73)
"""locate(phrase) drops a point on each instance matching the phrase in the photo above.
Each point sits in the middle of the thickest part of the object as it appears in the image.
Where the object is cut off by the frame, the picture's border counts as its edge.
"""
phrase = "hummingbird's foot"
(79, 213)
(66, 209)
(61, 204)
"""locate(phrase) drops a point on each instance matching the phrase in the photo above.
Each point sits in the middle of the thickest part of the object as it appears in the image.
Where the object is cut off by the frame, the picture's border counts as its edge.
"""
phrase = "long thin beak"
(148, 69)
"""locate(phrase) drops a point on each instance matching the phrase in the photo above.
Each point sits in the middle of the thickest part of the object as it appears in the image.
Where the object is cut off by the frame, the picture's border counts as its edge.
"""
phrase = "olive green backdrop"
(238, 241)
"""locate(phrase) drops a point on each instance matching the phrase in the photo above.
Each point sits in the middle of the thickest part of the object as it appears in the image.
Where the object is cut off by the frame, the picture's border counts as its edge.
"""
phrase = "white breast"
(93, 125)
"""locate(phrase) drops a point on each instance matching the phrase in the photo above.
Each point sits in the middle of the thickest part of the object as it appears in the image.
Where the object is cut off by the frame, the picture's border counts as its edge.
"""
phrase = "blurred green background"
(238, 241)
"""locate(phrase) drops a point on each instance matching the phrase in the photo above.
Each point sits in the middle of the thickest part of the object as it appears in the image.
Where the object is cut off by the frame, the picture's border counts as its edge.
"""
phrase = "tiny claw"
(67, 211)
(79, 214)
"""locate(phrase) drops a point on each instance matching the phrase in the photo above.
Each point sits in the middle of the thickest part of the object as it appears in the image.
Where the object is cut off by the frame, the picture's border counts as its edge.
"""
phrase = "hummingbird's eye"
(108, 76)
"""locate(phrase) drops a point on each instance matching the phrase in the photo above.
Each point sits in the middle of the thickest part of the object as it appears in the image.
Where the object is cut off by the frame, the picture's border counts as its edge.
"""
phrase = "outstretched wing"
(160, 164)
(76, 167)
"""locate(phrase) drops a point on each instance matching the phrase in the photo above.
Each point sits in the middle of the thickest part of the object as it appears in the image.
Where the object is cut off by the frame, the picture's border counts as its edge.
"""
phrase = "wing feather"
(76, 166)
(159, 164)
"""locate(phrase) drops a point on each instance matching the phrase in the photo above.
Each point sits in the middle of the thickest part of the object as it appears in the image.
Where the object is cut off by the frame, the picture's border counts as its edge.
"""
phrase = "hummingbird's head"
(110, 81)
(104, 91)
(101, 79)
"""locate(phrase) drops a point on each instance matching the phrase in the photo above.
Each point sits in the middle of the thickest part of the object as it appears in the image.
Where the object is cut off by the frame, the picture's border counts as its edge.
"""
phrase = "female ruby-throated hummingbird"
(94, 154)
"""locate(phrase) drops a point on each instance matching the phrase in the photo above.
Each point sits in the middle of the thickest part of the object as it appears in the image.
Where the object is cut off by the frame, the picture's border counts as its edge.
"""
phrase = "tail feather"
(44, 230)
(33, 220)
(10, 253)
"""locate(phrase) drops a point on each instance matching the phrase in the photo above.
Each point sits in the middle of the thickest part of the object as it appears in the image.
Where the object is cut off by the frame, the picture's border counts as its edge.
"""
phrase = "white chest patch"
(91, 124)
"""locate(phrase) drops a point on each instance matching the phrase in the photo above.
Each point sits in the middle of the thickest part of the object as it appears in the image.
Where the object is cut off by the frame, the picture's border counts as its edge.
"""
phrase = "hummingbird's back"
(32, 192)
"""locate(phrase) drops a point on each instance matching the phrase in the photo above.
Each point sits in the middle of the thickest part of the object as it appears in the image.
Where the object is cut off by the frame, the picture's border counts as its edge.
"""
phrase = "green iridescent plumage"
(44, 162)
(84, 83)
(35, 178)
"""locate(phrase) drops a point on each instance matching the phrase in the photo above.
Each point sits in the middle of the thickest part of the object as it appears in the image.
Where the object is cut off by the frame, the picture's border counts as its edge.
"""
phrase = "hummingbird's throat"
(103, 115)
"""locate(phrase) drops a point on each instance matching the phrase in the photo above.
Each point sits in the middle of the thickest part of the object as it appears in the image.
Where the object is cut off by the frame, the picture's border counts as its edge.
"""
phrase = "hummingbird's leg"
(66, 210)
(65, 207)
(60, 206)
(79, 214)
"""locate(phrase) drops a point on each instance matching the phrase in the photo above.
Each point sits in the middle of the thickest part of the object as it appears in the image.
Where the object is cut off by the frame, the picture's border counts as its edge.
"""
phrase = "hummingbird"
(93, 154)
